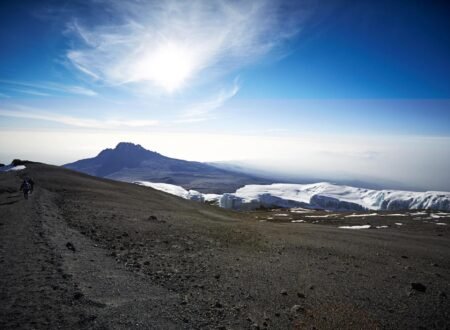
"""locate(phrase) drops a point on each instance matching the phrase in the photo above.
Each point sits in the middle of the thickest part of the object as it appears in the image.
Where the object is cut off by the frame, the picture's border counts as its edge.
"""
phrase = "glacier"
(328, 196)
(322, 196)
(174, 190)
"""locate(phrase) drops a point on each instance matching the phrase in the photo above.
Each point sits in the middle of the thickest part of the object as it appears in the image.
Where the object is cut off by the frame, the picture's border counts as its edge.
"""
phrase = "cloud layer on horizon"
(417, 162)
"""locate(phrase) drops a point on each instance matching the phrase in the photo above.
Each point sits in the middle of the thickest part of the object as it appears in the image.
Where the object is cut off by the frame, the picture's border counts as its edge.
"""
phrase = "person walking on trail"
(26, 188)
(31, 182)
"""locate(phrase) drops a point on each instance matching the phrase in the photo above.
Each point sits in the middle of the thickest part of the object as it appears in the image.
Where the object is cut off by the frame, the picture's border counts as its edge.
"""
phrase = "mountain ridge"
(131, 162)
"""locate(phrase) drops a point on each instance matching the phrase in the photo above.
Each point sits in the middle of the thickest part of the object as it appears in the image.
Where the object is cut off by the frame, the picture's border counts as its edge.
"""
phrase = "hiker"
(25, 187)
(31, 182)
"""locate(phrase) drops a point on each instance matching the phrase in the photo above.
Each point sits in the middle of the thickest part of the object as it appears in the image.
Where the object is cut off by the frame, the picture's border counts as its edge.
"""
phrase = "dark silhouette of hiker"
(31, 182)
(25, 187)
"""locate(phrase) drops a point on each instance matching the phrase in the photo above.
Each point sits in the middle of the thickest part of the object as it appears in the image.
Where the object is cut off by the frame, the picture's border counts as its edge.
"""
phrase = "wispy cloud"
(43, 88)
(78, 90)
(79, 122)
(29, 91)
(170, 43)
(203, 110)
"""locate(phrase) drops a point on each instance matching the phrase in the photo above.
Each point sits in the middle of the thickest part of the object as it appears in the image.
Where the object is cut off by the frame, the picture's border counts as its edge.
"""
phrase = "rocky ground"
(89, 253)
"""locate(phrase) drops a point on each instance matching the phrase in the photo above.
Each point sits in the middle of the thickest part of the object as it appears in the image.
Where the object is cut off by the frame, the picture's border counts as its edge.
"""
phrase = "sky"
(336, 90)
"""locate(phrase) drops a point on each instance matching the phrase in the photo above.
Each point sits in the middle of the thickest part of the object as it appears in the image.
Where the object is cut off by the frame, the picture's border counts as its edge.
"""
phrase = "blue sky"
(291, 71)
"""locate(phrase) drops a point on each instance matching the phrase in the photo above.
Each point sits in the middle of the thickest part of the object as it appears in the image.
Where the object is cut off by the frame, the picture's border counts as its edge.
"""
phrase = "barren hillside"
(90, 253)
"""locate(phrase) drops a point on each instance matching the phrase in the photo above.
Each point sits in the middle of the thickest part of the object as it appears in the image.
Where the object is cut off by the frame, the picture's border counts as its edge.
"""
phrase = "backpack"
(26, 185)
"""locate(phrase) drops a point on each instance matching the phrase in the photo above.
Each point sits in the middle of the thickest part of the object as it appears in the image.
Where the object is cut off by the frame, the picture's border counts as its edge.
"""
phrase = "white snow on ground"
(381, 227)
(361, 215)
(299, 210)
(435, 216)
(324, 196)
(328, 196)
(321, 216)
(18, 168)
(419, 213)
(281, 215)
(441, 224)
(9, 168)
(298, 221)
(399, 224)
(174, 190)
(356, 227)
(394, 215)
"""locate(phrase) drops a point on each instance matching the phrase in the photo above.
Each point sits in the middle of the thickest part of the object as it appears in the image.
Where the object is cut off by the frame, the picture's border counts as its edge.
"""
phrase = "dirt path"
(122, 298)
(54, 277)
(35, 290)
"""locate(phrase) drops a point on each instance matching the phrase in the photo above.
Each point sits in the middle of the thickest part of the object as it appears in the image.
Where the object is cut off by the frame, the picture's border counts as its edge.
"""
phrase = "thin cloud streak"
(202, 111)
(80, 122)
(29, 91)
(168, 44)
(49, 86)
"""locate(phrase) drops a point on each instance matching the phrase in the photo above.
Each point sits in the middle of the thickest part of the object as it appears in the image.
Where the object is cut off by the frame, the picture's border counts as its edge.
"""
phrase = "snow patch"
(419, 213)
(172, 189)
(356, 227)
(321, 216)
(299, 210)
(9, 168)
(361, 215)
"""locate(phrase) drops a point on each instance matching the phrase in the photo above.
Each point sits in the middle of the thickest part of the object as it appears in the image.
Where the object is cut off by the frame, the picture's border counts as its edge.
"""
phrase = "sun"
(168, 66)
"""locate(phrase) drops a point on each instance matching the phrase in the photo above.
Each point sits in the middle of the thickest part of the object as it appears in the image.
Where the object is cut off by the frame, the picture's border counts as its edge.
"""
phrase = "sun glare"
(169, 66)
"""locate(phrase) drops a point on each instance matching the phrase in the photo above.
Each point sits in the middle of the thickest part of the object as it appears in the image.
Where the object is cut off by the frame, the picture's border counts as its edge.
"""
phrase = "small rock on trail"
(418, 287)
(296, 309)
(78, 295)
(70, 246)
(154, 218)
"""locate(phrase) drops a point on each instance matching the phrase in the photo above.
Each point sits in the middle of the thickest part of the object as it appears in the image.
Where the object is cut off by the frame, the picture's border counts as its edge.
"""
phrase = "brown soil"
(88, 253)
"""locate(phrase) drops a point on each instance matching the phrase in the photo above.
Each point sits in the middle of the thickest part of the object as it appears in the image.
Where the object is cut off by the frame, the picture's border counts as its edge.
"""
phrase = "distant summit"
(131, 162)
(108, 161)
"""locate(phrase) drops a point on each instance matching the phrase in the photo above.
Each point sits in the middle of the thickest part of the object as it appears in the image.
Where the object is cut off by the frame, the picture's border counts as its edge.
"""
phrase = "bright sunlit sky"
(355, 90)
